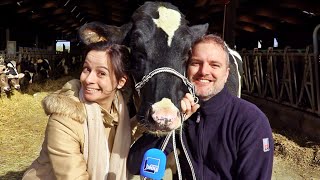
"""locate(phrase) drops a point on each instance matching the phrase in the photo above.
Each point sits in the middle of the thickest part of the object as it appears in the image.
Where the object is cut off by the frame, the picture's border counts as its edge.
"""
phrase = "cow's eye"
(140, 57)
(185, 58)
(136, 35)
(139, 62)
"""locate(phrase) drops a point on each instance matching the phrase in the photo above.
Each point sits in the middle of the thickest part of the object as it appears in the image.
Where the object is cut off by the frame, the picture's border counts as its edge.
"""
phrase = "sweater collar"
(215, 103)
(111, 118)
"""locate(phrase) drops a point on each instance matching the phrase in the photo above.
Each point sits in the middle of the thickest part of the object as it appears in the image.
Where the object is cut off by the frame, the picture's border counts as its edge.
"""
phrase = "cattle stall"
(283, 83)
(286, 76)
(35, 65)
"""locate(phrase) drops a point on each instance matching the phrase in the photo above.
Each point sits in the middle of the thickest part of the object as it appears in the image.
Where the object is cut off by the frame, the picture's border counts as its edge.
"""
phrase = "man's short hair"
(215, 39)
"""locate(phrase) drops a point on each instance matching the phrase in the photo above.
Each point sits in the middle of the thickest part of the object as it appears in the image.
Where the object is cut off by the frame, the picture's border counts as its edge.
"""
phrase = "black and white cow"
(29, 69)
(28, 66)
(60, 67)
(64, 67)
(13, 75)
(43, 71)
(159, 39)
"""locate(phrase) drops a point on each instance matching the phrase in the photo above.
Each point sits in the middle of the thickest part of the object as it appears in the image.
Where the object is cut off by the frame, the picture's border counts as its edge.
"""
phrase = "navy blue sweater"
(228, 138)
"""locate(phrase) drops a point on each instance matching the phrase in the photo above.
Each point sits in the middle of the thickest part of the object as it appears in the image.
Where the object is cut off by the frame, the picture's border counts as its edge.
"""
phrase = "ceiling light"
(74, 8)
(66, 3)
(309, 13)
(19, 3)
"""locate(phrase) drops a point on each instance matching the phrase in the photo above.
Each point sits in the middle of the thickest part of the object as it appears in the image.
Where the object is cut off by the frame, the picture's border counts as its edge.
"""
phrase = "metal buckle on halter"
(147, 77)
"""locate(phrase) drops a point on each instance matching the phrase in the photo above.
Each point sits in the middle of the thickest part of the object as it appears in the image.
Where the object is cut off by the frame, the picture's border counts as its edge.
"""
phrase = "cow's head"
(159, 39)
(14, 80)
(13, 75)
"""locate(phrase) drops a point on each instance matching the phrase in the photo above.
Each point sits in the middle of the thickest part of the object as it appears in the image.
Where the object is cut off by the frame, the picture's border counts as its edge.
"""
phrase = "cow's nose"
(6, 89)
(164, 112)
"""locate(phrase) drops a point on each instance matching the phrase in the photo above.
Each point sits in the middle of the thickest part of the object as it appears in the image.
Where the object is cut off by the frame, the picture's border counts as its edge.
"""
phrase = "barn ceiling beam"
(278, 14)
(257, 21)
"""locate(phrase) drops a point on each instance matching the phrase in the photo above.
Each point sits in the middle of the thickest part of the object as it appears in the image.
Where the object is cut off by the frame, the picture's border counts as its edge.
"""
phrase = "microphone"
(153, 164)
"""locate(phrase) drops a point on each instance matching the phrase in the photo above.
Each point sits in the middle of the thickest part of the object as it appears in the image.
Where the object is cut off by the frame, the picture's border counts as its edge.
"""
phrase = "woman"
(88, 134)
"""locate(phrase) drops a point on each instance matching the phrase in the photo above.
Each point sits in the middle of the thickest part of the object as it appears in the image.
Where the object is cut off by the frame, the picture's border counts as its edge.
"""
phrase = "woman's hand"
(188, 106)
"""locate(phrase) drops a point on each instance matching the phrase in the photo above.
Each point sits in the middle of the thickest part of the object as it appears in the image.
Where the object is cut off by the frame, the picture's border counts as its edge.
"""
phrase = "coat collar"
(111, 118)
(216, 102)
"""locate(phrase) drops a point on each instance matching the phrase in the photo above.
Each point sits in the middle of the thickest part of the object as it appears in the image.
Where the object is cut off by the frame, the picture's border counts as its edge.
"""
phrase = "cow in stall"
(13, 75)
(29, 69)
(64, 66)
(159, 38)
(43, 71)
(60, 67)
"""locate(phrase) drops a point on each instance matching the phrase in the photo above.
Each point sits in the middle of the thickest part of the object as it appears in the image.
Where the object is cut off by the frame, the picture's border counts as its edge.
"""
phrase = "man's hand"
(188, 106)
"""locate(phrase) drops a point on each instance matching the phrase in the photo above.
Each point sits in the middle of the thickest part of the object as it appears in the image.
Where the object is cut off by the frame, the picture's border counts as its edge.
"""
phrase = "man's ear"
(122, 82)
(227, 74)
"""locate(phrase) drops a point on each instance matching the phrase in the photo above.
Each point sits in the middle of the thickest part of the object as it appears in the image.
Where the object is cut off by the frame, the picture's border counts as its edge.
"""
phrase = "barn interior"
(242, 23)
(286, 74)
(277, 39)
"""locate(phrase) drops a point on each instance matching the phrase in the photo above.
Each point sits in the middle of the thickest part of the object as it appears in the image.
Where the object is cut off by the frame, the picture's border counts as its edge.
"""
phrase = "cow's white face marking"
(164, 103)
(169, 21)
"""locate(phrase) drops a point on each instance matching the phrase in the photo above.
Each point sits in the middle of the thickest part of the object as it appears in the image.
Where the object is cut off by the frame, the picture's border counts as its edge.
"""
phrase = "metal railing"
(287, 76)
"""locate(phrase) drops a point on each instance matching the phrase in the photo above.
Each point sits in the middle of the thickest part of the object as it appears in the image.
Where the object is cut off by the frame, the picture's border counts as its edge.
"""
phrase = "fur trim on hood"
(66, 102)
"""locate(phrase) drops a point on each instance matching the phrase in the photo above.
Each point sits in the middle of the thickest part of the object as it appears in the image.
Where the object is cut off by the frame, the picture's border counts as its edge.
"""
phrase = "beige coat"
(61, 156)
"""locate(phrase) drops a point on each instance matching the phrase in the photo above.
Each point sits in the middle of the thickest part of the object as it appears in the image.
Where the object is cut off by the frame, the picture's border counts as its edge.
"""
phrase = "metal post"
(224, 20)
(229, 22)
(316, 61)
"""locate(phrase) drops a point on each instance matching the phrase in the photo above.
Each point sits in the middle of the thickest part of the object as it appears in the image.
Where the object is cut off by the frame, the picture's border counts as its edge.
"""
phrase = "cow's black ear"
(198, 31)
(124, 30)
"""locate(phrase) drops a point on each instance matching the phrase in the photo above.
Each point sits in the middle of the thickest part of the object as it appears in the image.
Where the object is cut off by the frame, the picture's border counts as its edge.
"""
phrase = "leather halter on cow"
(159, 39)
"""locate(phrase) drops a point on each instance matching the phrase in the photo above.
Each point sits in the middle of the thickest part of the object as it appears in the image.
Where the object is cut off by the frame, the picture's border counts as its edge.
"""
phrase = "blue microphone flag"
(153, 164)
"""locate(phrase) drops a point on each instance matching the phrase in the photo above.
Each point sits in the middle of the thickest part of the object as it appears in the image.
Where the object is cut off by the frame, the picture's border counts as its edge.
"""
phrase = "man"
(228, 137)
